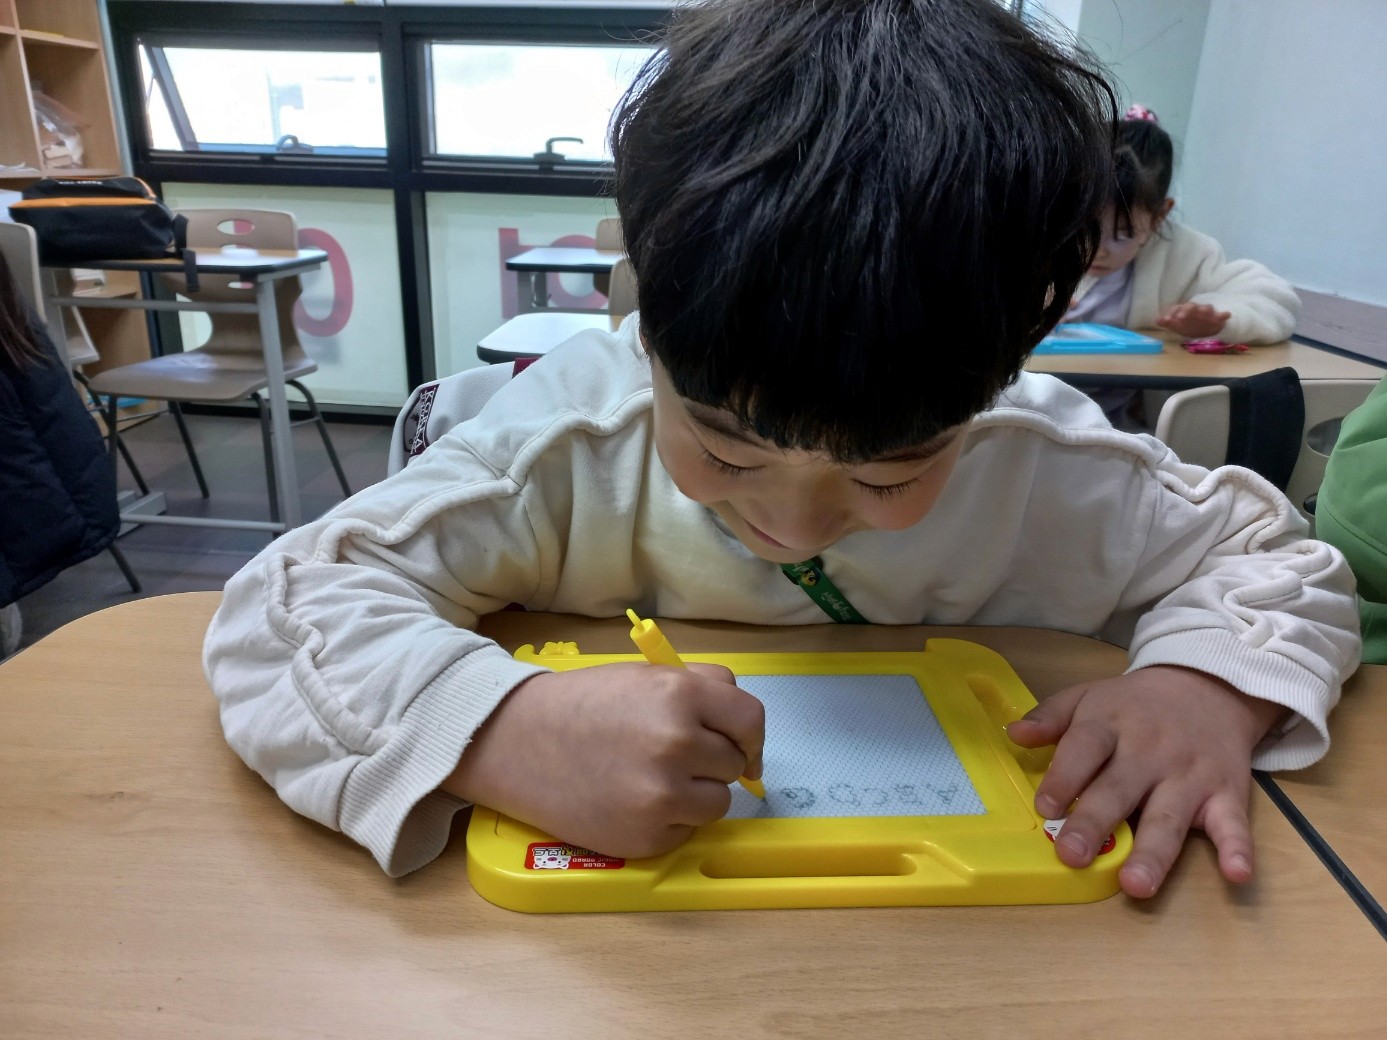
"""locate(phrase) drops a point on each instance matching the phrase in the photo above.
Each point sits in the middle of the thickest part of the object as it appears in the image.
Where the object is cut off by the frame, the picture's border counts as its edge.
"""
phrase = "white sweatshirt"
(1181, 265)
(350, 679)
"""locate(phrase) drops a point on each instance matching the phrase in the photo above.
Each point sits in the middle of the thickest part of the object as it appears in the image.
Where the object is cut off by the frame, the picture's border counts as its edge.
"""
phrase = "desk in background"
(154, 887)
(1175, 368)
(536, 333)
(262, 268)
(532, 269)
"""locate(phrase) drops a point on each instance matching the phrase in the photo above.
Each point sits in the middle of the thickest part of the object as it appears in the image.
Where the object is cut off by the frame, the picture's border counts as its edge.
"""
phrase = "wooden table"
(1341, 796)
(532, 269)
(1175, 368)
(261, 268)
(153, 887)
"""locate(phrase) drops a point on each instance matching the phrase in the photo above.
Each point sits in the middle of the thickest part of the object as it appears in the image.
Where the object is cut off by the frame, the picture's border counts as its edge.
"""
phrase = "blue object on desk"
(1083, 337)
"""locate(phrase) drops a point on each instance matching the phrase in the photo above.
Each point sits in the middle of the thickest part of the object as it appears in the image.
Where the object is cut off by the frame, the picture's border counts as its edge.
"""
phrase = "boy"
(850, 221)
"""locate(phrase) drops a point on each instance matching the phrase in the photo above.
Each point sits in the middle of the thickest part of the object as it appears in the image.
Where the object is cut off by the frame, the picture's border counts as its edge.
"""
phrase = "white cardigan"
(1180, 265)
(350, 678)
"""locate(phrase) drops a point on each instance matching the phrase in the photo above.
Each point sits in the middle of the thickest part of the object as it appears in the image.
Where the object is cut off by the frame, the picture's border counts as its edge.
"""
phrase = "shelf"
(78, 172)
(57, 40)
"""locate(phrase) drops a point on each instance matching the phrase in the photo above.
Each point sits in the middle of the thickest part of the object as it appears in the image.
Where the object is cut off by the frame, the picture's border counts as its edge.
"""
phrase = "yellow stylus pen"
(652, 643)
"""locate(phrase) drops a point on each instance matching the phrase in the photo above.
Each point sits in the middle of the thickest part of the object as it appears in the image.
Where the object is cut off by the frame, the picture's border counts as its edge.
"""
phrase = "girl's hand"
(1194, 320)
(1173, 742)
(624, 759)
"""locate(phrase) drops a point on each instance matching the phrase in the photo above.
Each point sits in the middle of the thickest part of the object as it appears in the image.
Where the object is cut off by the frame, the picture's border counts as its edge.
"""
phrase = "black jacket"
(57, 487)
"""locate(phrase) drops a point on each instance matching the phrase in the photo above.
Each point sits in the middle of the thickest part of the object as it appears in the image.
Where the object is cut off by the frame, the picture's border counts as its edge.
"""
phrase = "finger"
(1047, 721)
(1225, 821)
(702, 802)
(714, 757)
(1081, 755)
(1165, 822)
(738, 716)
(713, 671)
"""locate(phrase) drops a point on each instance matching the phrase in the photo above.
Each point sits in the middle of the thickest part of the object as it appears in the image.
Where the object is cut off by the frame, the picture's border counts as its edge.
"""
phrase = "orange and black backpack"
(116, 218)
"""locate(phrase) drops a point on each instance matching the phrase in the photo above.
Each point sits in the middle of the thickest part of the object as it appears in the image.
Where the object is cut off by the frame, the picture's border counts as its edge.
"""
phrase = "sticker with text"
(1053, 828)
(558, 856)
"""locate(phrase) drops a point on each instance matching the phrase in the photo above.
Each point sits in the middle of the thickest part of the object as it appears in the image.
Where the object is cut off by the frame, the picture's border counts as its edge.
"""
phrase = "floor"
(184, 559)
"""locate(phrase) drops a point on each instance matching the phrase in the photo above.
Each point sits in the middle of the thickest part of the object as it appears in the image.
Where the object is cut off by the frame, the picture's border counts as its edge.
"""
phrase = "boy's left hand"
(1194, 320)
(1174, 742)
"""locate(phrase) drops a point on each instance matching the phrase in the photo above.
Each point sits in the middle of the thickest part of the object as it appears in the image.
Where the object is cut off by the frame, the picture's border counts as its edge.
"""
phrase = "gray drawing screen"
(853, 745)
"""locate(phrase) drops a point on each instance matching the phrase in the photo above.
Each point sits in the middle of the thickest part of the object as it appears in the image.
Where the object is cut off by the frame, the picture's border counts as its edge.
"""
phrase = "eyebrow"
(717, 422)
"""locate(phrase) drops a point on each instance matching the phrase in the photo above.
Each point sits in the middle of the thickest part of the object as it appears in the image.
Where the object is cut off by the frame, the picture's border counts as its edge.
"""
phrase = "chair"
(435, 408)
(20, 254)
(1252, 424)
(608, 236)
(621, 294)
(230, 365)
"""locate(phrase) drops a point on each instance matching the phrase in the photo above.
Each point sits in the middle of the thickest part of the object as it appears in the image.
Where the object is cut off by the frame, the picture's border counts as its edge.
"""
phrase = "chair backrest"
(621, 296)
(19, 247)
(1196, 426)
(435, 408)
(609, 234)
(211, 230)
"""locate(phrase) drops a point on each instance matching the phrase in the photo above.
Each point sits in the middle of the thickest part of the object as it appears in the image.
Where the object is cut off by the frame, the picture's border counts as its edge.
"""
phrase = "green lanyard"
(810, 576)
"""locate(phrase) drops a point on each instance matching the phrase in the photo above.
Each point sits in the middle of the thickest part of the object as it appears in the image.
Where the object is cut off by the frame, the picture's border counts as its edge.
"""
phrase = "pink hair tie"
(1140, 112)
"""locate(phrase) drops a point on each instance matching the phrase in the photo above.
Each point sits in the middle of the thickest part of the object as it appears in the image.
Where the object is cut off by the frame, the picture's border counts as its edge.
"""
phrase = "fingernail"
(1138, 878)
(1242, 864)
(1075, 843)
(1047, 807)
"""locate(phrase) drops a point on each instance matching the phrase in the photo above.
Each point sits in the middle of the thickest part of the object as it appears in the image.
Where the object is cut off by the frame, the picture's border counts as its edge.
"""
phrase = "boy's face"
(787, 506)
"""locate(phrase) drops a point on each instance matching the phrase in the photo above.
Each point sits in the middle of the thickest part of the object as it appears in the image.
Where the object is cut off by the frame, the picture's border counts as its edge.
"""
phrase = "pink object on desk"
(1214, 346)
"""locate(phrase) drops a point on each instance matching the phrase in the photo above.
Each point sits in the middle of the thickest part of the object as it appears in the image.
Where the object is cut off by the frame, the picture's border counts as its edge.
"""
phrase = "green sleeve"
(1351, 512)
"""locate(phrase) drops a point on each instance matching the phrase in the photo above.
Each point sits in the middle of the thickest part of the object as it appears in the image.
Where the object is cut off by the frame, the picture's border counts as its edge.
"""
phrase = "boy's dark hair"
(1144, 161)
(850, 220)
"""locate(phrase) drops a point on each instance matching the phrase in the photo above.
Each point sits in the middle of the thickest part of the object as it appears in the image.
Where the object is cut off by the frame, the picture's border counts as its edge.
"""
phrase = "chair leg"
(125, 568)
(323, 432)
(114, 441)
(267, 443)
(188, 446)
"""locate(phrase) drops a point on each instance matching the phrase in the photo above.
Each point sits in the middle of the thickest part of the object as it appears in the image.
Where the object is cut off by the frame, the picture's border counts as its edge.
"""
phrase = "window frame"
(401, 33)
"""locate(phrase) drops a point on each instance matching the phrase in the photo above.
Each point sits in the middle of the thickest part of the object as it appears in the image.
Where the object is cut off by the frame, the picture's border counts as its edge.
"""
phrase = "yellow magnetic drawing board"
(890, 782)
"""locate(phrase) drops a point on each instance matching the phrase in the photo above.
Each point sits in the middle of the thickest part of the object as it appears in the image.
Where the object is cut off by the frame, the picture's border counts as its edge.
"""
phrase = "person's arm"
(344, 658)
(1247, 630)
(1260, 307)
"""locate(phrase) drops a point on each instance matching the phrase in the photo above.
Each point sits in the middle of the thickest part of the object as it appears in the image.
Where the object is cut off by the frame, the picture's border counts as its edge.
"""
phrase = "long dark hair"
(851, 220)
(18, 345)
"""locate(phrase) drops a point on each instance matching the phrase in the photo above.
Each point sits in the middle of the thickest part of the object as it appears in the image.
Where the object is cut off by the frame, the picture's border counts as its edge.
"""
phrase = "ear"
(1162, 213)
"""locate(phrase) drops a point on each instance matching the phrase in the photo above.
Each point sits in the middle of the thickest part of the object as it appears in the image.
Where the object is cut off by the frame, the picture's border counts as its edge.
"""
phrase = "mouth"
(765, 537)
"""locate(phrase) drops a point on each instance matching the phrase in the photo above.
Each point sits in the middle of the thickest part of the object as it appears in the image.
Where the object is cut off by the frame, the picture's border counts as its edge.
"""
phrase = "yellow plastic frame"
(1002, 857)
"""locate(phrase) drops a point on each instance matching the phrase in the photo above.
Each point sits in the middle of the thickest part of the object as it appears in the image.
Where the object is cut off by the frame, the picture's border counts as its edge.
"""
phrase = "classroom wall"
(1286, 157)
(1153, 49)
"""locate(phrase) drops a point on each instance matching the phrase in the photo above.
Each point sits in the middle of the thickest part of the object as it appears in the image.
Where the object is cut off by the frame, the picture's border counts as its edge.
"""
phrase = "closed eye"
(888, 490)
(724, 467)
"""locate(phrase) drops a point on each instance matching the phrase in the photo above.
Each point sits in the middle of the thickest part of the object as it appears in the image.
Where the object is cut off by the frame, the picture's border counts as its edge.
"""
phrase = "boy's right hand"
(623, 759)
(1193, 320)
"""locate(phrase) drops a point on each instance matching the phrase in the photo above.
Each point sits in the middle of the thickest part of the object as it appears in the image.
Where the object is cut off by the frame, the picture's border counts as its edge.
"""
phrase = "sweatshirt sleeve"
(1263, 306)
(344, 660)
(1229, 583)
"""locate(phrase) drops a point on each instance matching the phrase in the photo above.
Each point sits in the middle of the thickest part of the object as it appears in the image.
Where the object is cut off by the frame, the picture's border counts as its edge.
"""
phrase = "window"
(504, 101)
(292, 102)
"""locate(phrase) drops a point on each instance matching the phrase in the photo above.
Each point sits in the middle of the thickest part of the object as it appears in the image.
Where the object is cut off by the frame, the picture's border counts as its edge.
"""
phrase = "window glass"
(291, 101)
(505, 100)
(349, 318)
(470, 238)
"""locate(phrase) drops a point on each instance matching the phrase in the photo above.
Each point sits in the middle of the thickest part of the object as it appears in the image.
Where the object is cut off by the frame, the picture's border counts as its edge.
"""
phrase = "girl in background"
(57, 486)
(1151, 272)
